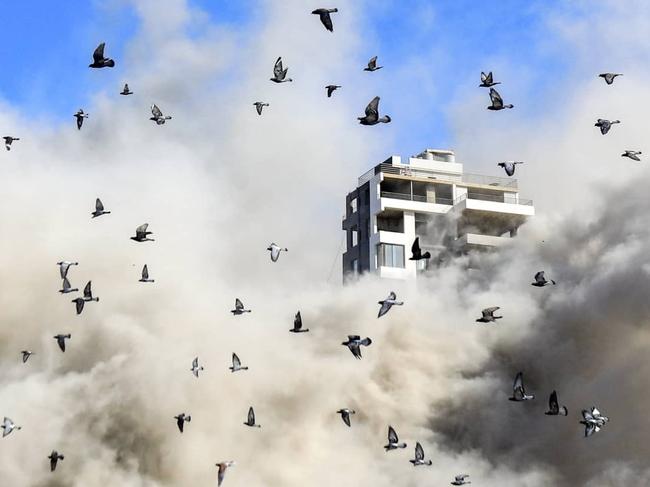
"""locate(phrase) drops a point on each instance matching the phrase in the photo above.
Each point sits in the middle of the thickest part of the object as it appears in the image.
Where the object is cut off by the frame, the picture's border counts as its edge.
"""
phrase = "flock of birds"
(592, 419)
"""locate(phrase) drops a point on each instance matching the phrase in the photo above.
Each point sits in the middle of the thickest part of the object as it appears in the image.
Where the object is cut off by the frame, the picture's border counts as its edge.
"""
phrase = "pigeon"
(297, 325)
(541, 281)
(325, 18)
(419, 456)
(80, 115)
(497, 101)
(393, 440)
(60, 339)
(236, 364)
(487, 81)
(372, 114)
(372, 65)
(99, 61)
(488, 315)
(509, 166)
(461, 479)
(331, 89)
(67, 288)
(554, 408)
(632, 154)
(593, 421)
(196, 367)
(275, 251)
(259, 106)
(223, 466)
(88, 296)
(141, 234)
(388, 303)
(417, 251)
(9, 140)
(250, 421)
(345, 414)
(8, 426)
(279, 74)
(99, 209)
(518, 391)
(158, 116)
(239, 308)
(145, 275)
(181, 419)
(64, 265)
(609, 77)
(26, 355)
(126, 90)
(605, 125)
(54, 458)
(354, 343)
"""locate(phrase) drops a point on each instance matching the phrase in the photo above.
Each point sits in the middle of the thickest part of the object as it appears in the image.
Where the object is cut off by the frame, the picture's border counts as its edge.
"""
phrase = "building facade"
(430, 197)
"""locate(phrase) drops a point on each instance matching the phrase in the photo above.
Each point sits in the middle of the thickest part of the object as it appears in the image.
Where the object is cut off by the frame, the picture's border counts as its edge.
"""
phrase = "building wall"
(358, 220)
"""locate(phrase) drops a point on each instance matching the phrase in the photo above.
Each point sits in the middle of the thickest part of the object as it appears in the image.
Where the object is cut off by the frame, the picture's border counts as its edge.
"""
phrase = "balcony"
(494, 203)
(415, 197)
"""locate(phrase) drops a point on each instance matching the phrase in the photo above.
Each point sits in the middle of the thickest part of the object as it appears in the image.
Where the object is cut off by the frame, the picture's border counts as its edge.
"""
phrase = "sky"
(217, 183)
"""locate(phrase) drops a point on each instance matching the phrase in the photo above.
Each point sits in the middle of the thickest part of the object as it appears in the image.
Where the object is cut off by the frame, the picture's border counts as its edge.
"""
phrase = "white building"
(430, 197)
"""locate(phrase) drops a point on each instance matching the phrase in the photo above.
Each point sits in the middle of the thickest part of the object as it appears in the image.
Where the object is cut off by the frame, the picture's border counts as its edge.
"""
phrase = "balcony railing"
(415, 197)
(496, 198)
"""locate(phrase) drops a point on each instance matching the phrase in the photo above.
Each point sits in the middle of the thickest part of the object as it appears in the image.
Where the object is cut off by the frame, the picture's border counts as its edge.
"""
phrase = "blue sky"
(45, 48)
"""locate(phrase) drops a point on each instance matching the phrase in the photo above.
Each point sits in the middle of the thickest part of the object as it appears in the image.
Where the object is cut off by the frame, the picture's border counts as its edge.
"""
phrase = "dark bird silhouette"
(60, 339)
(604, 125)
(372, 65)
(372, 114)
(345, 415)
(99, 209)
(354, 343)
(80, 116)
(393, 440)
(250, 420)
(324, 14)
(609, 77)
(487, 81)
(142, 235)
(181, 419)
(26, 354)
(223, 466)
(297, 325)
(632, 154)
(259, 106)
(416, 251)
(488, 315)
(509, 166)
(554, 408)
(518, 390)
(280, 74)
(126, 91)
(541, 281)
(331, 89)
(239, 308)
(157, 115)
(145, 275)
(497, 101)
(54, 459)
(67, 288)
(9, 140)
(99, 61)
(236, 364)
(88, 296)
(419, 456)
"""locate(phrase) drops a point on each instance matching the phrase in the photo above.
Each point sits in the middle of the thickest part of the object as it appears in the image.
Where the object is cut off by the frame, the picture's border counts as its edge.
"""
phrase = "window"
(353, 205)
(355, 237)
(355, 266)
(390, 255)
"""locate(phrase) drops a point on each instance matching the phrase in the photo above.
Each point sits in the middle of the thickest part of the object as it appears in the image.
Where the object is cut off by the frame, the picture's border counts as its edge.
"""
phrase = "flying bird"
(145, 275)
(196, 367)
(509, 166)
(593, 421)
(416, 251)
(157, 115)
(393, 440)
(331, 89)
(239, 308)
(609, 77)
(141, 234)
(64, 265)
(388, 303)
(223, 466)
(279, 74)
(354, 343)
(126, 91)
(60, 339)
(54, 459)
(487, 81)
(372, 114)
(419, 456)
(26, 355)
(275, 251)
(67, 288)
(372, 65)
(461, 479)
(541, 281)
(297, 324)
(345, 414)
(88, 296)
(181, 419)
(259, 106)
(236, 364)
(488, 315)
(99, 209)
(605, 124)
(518, 391)
(554, 408)
(325, 18)
(632, 154)
(250, 421)
(8, 426)
(9, 140)
(80, 115)
(497, 101)
(99, 61)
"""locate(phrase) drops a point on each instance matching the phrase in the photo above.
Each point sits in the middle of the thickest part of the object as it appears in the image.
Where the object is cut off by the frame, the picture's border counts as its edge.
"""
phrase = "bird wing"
(221, 474)
(277, 69)
(275, 253)
(489, 311)
(539, 277)
(392, 436)
(145, 272)
(156, 111)
(373, 107)
(346, 417)
(142, 228)
(251, 416)
(497, 101)
(384, 309)
(553, 405)
(238, 304)
(236, 363)
(488, 78)
(392, 296)
(354, 348)
(297, 321)
(327, 21)
(419, 452)
(66, 284)
(354, 337)
(63, 269)
(126, 87)
(98, 55)
(372, 63)
(98, 205)
(88, 291)
(195, 362)
(80, 307)
(415, 248)
(519, 382)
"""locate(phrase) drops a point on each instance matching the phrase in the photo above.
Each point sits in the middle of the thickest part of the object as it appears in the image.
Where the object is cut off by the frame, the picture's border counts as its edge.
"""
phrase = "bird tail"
(427, 255)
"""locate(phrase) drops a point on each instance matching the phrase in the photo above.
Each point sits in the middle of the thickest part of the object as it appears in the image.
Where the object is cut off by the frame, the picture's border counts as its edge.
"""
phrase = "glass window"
(353, 205)
(390, 255)
(355, 266)
(355, 237)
